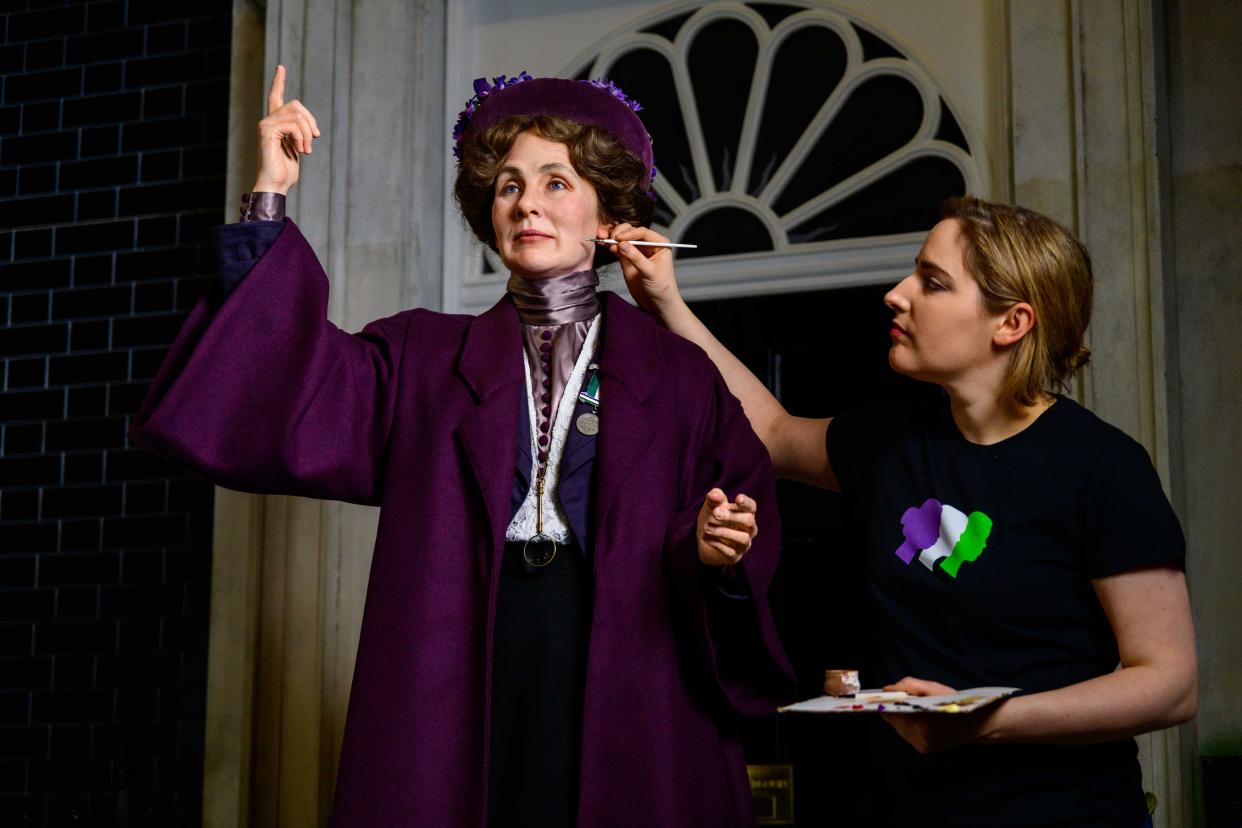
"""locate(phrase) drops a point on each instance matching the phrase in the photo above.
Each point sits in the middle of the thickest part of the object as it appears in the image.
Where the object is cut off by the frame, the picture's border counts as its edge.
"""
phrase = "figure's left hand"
(930, 732)
(725, 530)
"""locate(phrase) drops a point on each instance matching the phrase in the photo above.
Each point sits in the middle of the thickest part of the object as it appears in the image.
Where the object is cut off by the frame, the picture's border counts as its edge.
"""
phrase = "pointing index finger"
(276, 95)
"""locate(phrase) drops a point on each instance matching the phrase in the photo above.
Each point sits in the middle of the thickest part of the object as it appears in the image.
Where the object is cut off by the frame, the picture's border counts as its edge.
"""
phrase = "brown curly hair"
(1019, 255)
(620, 179)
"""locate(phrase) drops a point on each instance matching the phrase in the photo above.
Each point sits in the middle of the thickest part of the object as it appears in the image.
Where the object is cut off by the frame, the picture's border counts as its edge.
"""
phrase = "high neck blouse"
(556, 315)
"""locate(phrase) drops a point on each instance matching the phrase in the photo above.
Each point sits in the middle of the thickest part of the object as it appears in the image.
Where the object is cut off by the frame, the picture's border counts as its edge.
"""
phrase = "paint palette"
(877, 701)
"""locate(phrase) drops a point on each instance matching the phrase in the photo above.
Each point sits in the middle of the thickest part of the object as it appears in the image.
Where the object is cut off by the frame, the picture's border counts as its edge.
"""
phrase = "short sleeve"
(1128, 521)
(855, 438)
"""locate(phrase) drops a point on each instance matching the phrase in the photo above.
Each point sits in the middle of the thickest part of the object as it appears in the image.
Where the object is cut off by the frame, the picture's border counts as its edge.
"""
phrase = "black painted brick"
(90, 401)
(158, 166)
(92, 270)
(102, 172)
(144, 363)
(155, 530)
(160, 231)
(27, 671)
(48, 23)
(25, 742)
(93, 48)
(31, 244)
(81, 81)
(22, 810)
(157, 264)
(69, 742)
(42, 86)
(17, 571)
(33, 339)
(48, 273)
(170, 37)
(79, 302)
(125, 399)
(90, 238)
(14, 638)
(89, 335)
(18, 504)
(139, 331)
(22, 438)
(158, 197)
(26, 373)
(29, 149)
(29, 307)
(24, 212)
(143, 565)
(75, 603)
(35, 179)
(28, 537)
(94, 205)
(31, 405)
(103, 77)
(81, 535)
(141, 601)
(40, 117)
(101, 140)
(45, 54)
(104, 16)
(81, 501)
(67, 435)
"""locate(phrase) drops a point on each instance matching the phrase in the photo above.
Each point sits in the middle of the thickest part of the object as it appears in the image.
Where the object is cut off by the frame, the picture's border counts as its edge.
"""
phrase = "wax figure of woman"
(560, 629)
(1013, 538)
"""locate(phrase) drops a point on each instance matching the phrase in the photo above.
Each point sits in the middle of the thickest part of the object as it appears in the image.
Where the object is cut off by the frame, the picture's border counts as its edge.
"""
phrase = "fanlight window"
(785, 128)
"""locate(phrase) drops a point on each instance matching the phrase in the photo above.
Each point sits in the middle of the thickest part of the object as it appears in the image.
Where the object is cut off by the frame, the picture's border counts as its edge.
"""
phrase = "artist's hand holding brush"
(648, 271)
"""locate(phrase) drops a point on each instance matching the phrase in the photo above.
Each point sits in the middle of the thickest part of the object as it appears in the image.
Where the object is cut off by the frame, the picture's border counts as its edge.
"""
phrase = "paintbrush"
(644, 243)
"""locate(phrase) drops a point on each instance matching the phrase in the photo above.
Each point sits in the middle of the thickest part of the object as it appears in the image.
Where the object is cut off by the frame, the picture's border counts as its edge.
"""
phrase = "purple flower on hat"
(614, 90)
(482, 89)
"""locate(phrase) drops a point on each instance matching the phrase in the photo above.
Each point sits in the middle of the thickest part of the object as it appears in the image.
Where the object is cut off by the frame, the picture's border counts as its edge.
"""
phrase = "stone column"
(290, 574)
(1088, 82)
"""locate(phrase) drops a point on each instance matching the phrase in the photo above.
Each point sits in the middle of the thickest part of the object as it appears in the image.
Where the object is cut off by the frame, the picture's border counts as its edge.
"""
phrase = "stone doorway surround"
(1086, 94)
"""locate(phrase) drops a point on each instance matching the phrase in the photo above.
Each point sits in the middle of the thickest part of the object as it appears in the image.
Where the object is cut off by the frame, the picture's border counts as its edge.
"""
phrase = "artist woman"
(1013, 538)
(567, 605)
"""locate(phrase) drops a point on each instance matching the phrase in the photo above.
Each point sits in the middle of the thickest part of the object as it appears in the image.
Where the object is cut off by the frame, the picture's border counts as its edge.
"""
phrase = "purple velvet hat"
(594, 102)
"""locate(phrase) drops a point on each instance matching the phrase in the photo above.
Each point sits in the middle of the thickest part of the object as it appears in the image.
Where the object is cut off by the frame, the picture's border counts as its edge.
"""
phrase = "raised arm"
(795, 444)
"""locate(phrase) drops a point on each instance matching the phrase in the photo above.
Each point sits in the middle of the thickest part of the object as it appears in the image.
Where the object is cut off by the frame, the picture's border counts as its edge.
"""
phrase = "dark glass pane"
(905, 201)
(669, 28)
(722, 66)
(881, 115)
(663, 215)
(794, 96)
(774, 13)
(950, 130)
(725, 231)
(646, 76)
(874, 46)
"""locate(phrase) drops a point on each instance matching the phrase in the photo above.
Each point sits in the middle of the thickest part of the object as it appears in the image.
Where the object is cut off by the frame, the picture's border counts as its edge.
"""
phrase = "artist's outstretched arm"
(795, 444)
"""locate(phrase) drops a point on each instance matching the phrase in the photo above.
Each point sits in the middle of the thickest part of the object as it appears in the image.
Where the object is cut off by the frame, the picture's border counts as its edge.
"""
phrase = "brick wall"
(112, 157)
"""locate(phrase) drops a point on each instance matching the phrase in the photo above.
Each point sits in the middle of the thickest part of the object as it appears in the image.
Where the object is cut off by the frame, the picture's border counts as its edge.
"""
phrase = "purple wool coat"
(417, 414)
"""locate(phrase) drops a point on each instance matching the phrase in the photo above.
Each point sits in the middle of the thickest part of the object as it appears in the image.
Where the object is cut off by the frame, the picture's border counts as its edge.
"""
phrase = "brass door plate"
(771, 788)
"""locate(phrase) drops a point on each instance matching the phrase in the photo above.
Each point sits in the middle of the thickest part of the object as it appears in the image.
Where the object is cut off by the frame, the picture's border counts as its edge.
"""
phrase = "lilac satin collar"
(555, 301)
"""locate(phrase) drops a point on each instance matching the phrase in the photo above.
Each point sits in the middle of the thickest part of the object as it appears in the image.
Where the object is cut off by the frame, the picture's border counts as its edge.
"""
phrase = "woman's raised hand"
(648, 271)
(725, 530)
(286, 132)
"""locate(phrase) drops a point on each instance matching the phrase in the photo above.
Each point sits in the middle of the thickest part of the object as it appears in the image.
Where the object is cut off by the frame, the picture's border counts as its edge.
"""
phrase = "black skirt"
(543, 621)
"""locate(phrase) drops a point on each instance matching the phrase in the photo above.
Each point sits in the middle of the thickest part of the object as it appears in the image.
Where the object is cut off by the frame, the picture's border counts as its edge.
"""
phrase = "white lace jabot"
(555, 523)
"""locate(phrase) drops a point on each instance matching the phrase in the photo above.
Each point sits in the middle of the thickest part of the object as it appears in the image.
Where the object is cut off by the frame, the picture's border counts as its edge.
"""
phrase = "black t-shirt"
(979, 562)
